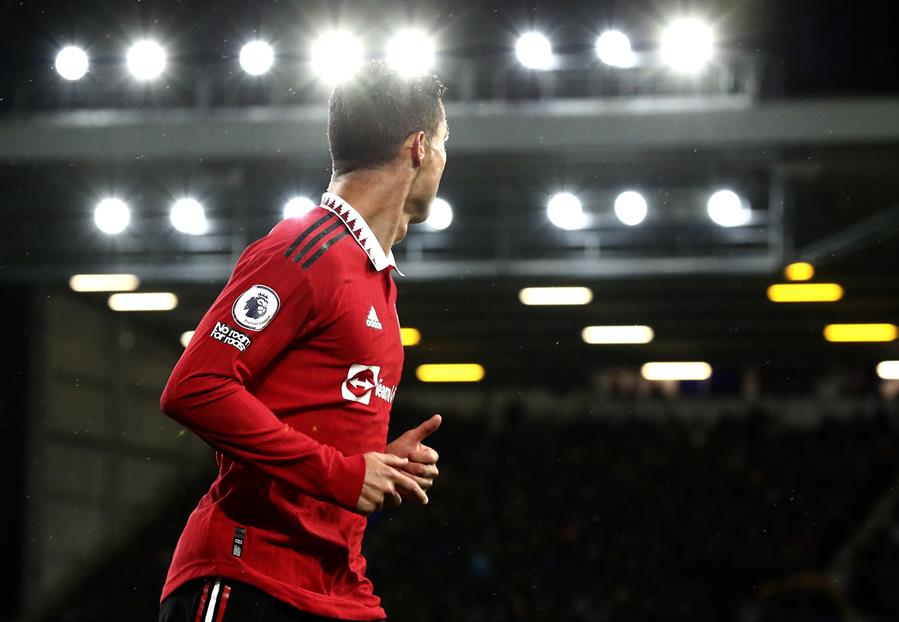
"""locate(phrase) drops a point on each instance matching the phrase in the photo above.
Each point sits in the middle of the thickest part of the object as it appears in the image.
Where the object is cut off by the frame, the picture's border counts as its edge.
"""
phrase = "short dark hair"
(371, 114)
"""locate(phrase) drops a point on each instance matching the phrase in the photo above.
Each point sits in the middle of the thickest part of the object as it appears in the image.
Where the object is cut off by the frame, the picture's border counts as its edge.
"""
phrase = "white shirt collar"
(360, 230)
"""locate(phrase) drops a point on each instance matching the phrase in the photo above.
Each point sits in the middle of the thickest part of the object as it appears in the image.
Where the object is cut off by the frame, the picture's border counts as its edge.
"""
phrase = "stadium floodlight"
(565, 211)
(692, 370)
(257, 57)
(630, 207)
(441, 215)
(186, 337)
(104, 282)
(805, 292)
(534, 51)
(888, 370)
(687, 45)
(799, 271)
(146, 60)
(297, 206)
(861, 332)
(143, 301)
(602, 335)
(336, 56)
(112, 216)
(614, 49)
(188, 216)
(454, 372)
(410, 336)
(552, 296)
(411, 52)
(726, 208)
(72, 63)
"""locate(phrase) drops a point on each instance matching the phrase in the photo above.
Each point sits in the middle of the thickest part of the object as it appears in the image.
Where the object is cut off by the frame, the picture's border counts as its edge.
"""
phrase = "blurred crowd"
(732, 518)
(639, 519)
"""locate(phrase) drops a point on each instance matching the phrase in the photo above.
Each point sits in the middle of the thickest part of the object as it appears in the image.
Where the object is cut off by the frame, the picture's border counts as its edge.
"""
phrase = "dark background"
(571, 488)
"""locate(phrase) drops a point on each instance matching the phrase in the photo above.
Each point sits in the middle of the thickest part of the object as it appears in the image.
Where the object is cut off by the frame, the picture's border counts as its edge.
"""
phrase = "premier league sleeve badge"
(256, 307)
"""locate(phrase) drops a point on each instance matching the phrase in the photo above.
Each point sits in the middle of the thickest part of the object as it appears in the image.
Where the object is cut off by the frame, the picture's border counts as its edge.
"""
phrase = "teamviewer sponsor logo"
(361, 381)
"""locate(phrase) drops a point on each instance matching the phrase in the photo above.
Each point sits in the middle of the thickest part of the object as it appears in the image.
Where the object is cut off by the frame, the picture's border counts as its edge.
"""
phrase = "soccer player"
(291, 375)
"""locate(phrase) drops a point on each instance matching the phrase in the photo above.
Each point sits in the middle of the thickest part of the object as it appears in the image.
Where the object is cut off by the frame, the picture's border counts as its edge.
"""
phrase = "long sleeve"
(267, 304)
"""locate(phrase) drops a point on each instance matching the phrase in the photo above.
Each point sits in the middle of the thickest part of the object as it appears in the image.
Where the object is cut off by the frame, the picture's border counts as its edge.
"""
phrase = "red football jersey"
(290, 376)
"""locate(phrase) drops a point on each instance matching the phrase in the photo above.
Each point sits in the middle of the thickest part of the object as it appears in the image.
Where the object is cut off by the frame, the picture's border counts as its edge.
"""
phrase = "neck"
(380, 197)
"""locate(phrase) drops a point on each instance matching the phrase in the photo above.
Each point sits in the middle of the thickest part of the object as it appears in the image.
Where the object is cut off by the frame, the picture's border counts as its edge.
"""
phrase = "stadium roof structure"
(817, 175)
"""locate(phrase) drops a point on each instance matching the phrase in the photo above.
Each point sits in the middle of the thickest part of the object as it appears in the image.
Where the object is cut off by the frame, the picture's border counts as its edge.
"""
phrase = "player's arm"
(207, 390)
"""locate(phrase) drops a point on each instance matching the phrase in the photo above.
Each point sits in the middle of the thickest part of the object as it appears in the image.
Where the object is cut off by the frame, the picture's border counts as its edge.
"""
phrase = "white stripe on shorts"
(211, 608)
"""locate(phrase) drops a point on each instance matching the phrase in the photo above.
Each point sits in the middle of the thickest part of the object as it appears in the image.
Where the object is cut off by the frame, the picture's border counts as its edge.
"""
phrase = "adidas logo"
(372, 320)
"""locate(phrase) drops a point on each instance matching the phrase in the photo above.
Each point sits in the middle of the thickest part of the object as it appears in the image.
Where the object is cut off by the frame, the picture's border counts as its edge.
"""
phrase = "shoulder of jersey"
(314, 239)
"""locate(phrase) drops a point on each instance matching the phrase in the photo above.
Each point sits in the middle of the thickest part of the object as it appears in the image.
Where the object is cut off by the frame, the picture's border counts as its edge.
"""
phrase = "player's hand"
(422, 465)
(386, 484)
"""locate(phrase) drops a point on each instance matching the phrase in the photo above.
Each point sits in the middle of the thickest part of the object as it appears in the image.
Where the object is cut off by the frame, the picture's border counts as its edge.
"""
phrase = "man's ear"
(419, 148)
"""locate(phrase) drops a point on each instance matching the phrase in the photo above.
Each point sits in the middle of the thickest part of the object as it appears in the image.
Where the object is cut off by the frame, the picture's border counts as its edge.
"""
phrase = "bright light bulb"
(630, 207)
(188, 216)
(72, 63)
(888, 370)
(411, 53)
(144, 301)
(256, 57)
(336, 56)
(799, 271)
(687, 45)
(410, 336)
(614, 49)
(112, 216)
(534, 51)
(104, 282)
(441, 215)
(297, 206)
(550, 296)
(726, 208)
(629, 334)
(146, 60)
(451, 372)
(692, 370)
(565, 211)
(186, 336)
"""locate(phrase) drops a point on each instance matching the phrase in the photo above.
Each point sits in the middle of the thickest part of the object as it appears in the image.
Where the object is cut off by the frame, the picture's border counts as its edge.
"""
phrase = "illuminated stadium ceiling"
(543, 147)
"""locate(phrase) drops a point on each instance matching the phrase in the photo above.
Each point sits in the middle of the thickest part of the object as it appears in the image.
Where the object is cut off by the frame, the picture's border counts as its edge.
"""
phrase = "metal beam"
(208, 269)
(876, 228)
(567, 126)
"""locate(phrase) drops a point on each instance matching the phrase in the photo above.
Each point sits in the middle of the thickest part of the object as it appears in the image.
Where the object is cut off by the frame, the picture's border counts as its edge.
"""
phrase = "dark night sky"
(813, 47)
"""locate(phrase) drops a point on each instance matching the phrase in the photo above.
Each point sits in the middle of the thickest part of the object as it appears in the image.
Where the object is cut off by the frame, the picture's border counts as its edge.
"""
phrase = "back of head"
(371, 114)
